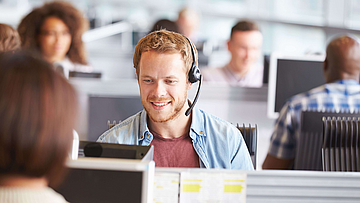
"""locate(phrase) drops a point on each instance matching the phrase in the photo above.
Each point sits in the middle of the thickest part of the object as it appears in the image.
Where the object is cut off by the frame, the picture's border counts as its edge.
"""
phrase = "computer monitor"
(289, 76)
(104, 108)
(76, 74)
(94, 180)
(111, 150)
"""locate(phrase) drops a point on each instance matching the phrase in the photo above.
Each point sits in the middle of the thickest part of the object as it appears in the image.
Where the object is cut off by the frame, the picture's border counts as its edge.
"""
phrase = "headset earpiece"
(194, 72)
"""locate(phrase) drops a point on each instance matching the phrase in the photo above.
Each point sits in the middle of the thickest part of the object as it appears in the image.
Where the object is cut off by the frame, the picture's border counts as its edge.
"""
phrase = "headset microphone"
(194, 76)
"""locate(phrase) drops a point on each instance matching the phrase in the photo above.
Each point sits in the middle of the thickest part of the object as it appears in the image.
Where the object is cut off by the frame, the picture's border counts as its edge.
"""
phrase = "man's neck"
(23, 181)
(173, 128)
(239, 72)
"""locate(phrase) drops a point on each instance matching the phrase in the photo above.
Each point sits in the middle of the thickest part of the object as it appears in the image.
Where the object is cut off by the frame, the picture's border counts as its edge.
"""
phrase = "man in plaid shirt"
(341, 91)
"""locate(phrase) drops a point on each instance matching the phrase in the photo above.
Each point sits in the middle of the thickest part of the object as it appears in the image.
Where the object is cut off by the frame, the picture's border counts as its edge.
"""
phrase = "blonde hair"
(164, 41)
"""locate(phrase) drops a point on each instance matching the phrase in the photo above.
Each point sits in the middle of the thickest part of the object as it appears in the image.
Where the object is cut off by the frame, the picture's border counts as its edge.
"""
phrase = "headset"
(193, 76)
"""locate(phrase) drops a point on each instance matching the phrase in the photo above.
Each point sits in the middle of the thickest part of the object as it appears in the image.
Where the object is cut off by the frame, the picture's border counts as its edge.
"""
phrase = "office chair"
(250, 136)
(308, 154)
(340, 146)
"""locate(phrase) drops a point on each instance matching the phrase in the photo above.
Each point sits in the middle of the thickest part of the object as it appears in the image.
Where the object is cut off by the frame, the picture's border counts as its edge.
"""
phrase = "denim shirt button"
(201, 132)
(142, 136)
(148, 135)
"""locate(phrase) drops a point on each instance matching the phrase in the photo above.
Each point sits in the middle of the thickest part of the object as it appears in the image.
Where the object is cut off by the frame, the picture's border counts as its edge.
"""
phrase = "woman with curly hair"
(9, 38)
(54, 30)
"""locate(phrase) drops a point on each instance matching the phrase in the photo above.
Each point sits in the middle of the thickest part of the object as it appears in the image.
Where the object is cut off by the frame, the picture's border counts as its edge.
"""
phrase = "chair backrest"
(340, 146)
(250, 136)
(308, 154)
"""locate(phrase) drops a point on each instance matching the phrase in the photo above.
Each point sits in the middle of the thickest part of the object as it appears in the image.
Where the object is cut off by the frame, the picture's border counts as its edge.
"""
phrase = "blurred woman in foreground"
(38, 110)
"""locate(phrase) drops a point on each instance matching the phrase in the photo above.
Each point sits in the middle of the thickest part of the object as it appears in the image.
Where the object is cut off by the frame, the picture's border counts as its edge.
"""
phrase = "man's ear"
(137, 77)
(228, 45)
(190, 85)
(325, 65)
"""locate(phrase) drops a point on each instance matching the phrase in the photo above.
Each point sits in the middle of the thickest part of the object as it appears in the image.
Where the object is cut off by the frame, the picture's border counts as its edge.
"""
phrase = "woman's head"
(9, 38)
(38, 110)
(55, 30)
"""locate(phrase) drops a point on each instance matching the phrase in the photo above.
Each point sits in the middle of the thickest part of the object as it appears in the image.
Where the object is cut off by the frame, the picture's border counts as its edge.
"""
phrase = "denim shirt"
(218, 143)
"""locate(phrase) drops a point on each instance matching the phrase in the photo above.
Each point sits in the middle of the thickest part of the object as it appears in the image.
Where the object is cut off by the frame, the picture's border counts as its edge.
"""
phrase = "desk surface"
(293, 186)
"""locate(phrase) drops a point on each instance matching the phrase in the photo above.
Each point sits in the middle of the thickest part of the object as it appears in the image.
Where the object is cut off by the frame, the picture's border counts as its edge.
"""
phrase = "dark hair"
(244, 25)
(38, 108)
(9, 38)
(165, 24)
(29, 27)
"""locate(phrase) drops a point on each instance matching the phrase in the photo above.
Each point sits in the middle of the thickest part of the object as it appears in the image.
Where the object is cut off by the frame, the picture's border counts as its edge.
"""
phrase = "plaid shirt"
(342, 94)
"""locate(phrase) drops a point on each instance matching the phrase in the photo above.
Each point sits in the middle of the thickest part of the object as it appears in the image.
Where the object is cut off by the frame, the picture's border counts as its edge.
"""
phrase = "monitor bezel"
(274, 57)
(147, 167)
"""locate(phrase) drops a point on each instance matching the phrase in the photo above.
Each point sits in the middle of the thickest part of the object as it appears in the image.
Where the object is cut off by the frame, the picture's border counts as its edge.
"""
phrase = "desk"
(293, 186)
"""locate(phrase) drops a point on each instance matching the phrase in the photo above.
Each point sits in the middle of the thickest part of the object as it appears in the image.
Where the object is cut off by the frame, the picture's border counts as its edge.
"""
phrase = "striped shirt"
(340, 95)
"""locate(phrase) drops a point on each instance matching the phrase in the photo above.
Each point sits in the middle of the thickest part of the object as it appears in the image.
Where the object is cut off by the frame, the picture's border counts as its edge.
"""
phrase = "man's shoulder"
(122, 131)
(313, 93)
(213, 74)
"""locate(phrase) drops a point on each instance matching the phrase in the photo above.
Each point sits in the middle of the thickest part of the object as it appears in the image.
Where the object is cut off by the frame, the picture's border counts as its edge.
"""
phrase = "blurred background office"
(292, 27)
(295, 28)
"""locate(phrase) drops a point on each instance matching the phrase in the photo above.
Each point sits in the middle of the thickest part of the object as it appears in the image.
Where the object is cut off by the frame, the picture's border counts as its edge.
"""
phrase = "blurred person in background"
(54, 30)
(188, 23)
(9, 38)
(244, 68)
(165, 24)
(340, 93)
(38, 111)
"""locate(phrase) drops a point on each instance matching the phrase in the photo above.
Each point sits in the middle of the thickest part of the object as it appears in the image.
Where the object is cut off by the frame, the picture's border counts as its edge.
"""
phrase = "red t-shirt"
(176, 152)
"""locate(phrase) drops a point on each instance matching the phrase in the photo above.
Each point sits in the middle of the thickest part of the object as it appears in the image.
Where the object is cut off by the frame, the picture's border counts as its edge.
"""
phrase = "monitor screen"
(94, 180)
(104, 108)
(289, 76)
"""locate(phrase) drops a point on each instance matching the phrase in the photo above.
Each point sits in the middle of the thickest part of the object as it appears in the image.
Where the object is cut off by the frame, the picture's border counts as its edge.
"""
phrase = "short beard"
(174, 115)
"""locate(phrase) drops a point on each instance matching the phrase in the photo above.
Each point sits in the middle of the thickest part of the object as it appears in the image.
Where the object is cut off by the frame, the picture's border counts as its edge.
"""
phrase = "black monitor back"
(94, 186)
(296, 76)
(111, 150)
(289, 76)
(94, 180)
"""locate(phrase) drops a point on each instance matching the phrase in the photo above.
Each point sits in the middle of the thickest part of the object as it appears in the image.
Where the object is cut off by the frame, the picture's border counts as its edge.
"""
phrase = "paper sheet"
(212, 187)
(166, 187)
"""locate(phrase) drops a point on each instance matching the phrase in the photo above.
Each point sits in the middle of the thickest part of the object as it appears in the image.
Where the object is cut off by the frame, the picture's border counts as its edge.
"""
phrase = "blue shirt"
(340, 95)
(218, 143)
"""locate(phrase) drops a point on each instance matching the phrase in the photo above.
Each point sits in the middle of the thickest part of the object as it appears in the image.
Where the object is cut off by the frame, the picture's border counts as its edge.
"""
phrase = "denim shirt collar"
(196, 129)
(197, 124)
(144, 130)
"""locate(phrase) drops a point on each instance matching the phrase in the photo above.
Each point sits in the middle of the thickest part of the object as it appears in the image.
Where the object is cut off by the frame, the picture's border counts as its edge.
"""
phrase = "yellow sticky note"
(233, 188)
(191, 188)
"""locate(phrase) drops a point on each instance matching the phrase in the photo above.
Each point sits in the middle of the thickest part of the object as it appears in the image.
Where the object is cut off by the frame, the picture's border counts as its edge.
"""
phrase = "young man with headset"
(183, 136)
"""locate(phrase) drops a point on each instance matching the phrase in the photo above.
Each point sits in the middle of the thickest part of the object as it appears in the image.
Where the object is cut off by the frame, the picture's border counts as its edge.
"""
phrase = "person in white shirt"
(54, 31)
(243, 69)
